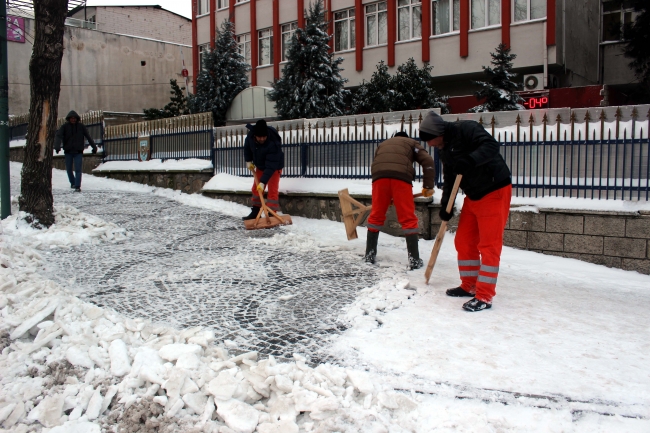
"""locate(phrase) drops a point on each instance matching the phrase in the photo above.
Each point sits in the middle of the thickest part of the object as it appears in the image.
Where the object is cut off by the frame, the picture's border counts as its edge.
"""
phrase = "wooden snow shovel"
(442, 230)
(271, 219)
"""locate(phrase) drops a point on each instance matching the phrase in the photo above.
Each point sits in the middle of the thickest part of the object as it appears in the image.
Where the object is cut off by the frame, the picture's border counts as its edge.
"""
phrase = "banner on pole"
(15, 29)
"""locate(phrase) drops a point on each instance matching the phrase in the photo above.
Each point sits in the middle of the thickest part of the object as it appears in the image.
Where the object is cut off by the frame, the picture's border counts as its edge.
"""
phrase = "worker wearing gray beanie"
(466, 148)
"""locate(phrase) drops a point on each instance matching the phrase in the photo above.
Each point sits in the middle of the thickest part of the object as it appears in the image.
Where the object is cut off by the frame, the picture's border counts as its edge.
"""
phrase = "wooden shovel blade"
(264, 223)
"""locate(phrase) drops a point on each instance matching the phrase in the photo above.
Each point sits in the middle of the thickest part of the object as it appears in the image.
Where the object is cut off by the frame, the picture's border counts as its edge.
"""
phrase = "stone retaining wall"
(90, 162)
(187, 181)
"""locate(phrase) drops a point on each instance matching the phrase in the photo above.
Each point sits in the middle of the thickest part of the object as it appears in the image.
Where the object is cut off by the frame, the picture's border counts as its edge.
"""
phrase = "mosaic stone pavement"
(186, 266)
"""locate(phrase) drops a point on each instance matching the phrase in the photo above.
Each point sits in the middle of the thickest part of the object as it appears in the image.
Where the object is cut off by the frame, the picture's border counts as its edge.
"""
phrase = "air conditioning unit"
(533, 82)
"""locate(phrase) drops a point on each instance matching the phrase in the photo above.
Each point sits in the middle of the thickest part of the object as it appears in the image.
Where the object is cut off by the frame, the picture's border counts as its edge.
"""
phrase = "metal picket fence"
(93, 120)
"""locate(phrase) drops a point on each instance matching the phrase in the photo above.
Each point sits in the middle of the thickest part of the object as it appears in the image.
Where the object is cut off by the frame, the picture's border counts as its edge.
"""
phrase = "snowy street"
(186, 295)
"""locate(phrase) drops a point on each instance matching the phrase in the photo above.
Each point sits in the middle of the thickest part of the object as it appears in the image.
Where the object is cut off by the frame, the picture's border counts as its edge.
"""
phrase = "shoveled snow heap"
(69, 366)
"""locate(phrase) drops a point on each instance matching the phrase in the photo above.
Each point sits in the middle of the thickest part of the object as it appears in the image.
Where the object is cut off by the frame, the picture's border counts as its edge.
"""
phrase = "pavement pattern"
(185, 266)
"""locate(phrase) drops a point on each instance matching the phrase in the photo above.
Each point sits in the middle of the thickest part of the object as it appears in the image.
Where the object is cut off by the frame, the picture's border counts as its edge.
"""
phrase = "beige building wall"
(144, 21)
(102, 71)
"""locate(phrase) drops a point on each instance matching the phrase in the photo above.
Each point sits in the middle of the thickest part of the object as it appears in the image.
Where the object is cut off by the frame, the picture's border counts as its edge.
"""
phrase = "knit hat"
(260, 130)
(401, 134)
(432, 126)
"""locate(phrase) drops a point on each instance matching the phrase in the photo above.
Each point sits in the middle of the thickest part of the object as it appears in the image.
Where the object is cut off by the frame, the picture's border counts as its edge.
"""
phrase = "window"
(344, 30)
(241, 1)
(445, 16)
(376, 24)
(265, 55)
(204, 7)
(203, 50)
(287, 33)
(526, 10)
(222, 4)
(616, 15)
(409, 19)
(244, 46)
(485, 13)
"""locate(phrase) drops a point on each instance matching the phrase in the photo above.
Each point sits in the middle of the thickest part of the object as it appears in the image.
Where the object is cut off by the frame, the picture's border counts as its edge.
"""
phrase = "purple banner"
(15, 29)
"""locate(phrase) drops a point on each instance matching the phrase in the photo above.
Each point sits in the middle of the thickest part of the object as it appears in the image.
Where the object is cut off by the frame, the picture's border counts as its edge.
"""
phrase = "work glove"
(260, 187)
(443, 211)
(464, 165)
(94, 150)
(250, 165)
(426, 192)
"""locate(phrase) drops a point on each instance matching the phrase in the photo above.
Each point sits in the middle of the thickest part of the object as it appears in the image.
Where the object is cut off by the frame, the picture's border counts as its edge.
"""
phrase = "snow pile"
(190, 164)
(70, 366)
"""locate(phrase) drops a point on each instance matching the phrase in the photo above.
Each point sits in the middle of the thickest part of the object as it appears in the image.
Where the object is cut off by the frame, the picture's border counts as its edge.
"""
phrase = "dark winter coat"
(468, 138)
(394, 160)
(268, 156)
(72, 136)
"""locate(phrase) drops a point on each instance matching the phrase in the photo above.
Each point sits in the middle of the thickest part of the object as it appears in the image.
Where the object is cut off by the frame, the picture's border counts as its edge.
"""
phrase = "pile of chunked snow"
(70, 366)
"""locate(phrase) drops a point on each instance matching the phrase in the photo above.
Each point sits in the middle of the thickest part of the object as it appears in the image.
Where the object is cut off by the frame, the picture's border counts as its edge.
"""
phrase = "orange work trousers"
(401, 193)
(273, 191)
(479, 241)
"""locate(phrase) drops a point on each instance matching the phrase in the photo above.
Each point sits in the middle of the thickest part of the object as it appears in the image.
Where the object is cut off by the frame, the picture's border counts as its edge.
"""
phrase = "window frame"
(621, 11)
(207, 8)
(293, 26)
(222, 2)
(528, 9)
(412, 4)
(352, 40)
(260, 37)
(245, 43)
(203, 48)
(452, 31)
(376, 14)
(486, 17)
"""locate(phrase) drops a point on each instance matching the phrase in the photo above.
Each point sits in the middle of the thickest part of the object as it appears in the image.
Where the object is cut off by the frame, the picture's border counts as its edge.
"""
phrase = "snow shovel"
(271, 219)
(442, 230)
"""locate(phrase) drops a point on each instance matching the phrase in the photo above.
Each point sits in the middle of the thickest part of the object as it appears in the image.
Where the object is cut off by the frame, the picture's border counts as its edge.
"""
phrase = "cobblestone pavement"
(187, 266)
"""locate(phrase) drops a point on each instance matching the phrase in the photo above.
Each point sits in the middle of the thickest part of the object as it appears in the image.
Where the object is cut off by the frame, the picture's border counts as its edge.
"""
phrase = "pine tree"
(311, 85)
(224, 75)
(414, 90)
(637, 45)
(375, 96)
(177, 105)
(499, 91)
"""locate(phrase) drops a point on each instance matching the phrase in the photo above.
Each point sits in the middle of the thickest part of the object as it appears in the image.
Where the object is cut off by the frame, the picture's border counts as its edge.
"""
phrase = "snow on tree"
(177, 105)
(311, 85)
(499, 91)
(411, 88)
(223, 76)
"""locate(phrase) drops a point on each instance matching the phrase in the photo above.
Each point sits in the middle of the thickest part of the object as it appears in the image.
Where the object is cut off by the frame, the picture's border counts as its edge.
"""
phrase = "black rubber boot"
(251, 216)
(371, 247)
(415, 262)
(476, 305)
(458, 292)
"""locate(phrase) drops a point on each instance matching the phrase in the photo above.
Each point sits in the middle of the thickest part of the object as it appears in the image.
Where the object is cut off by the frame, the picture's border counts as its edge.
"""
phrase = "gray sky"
(181, 7)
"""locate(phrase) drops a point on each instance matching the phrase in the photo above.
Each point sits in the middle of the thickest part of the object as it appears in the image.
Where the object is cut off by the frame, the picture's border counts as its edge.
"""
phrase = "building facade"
(560, 42)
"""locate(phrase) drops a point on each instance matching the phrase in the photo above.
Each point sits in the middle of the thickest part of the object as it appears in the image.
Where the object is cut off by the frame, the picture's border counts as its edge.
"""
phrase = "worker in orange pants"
(273, 191)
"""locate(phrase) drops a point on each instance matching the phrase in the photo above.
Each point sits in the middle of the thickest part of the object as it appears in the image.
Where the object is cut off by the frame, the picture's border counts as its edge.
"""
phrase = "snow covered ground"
(564, 349)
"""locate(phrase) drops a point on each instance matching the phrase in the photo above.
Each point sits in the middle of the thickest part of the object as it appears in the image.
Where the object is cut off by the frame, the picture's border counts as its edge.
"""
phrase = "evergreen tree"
(637, 45)
(375, 96)
(499, 91)
(414, 90)
(177, 105)
(224, 75)
(311, 85)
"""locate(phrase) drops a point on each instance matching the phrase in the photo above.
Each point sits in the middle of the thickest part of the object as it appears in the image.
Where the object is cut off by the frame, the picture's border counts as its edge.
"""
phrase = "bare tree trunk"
(45, 78)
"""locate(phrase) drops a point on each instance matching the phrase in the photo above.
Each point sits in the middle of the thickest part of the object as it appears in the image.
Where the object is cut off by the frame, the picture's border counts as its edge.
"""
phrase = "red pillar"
(195, 46)
(277, 38)
(231, 11)
(359, 18)
(464, 28)
(392, 27)
(426, 30)
(328, 18)
(301, 14)
(213, 22)
(254, 41)
(550, 22)
(506, 17)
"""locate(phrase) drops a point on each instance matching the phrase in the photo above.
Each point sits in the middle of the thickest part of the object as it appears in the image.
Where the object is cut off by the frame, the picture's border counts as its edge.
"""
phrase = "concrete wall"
(102, 71)
(145, 21)
(616, 67)
(582, 41)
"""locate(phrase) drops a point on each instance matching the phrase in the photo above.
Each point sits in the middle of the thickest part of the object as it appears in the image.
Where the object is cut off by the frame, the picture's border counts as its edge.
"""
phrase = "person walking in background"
(392, 177)
(264, 157)
(71, 136)
(466, 148)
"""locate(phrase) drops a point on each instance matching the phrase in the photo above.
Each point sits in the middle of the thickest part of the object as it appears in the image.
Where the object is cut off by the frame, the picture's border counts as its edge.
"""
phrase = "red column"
(254, 41)
(213, 22)
(359, 18)
(426, 29)
(231, 10)
(277, 38)
(195, 46)
(301, 14)
(464, 28)
(328, 17)
(550, 22)
(392, 27)
(506, 17)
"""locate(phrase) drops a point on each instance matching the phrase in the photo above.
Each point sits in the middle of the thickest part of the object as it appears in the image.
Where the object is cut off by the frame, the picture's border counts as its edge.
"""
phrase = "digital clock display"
(536, 102)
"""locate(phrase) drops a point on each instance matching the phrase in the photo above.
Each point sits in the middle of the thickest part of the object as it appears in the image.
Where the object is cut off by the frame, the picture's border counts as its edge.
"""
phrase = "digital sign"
(536, 102)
